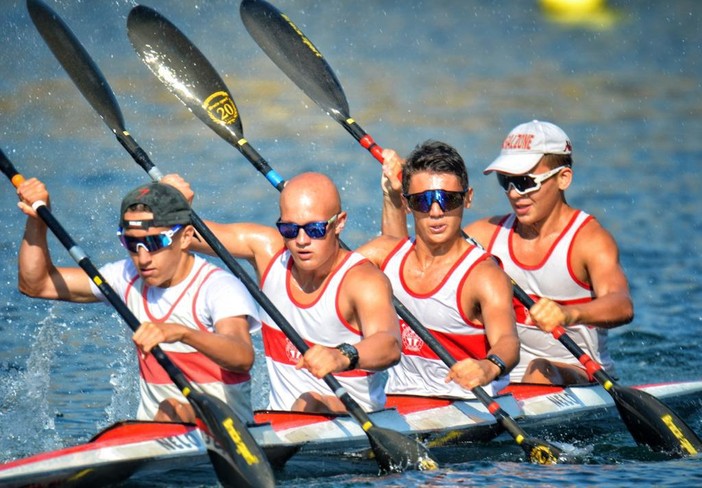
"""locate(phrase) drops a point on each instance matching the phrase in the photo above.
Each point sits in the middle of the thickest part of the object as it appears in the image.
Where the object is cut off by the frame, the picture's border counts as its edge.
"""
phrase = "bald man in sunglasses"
(336, 300)
(561, 256)
(200, 315)
(456, 290)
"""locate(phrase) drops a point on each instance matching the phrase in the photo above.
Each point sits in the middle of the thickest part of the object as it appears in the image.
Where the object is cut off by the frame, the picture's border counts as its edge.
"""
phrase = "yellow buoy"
(588, 13)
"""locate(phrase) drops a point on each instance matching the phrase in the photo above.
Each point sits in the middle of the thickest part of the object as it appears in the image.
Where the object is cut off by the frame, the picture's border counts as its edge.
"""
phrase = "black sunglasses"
(447, 200)
(528, 183)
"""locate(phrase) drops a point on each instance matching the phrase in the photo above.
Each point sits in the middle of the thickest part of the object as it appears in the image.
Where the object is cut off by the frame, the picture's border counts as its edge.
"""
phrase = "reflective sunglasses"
(314, 230)
(150, 243)
(447, 200)
(528, 183)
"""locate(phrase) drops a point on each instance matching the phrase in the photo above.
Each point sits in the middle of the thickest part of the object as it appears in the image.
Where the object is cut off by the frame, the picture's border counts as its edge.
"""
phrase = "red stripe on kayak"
(281, 420)
(117, 435)
(522, 391)
(408, 404)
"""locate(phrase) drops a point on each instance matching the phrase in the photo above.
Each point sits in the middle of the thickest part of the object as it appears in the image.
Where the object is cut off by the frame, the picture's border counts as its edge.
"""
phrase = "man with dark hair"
(561, 256)
(200, 315)
(456, 290)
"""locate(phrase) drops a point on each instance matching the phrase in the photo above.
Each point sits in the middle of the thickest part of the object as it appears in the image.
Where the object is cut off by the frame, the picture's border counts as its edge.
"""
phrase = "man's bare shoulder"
(593, 238)
(488, 273)
(377, 250)
(482, 230)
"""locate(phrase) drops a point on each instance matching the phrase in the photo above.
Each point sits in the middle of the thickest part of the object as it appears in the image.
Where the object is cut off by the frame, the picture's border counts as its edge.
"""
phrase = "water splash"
(25, 412)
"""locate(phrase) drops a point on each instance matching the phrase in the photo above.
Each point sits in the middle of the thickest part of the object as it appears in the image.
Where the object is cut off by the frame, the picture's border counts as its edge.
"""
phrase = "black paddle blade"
(395, 452)
(237, 458)
(295, 55)
(186, 72)
(653, 424)
(77, 63)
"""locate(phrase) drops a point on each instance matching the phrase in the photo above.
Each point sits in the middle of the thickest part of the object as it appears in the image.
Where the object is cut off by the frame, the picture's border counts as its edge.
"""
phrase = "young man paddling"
(335, 299)
(200, 315)
(559, 255)
(453, 288)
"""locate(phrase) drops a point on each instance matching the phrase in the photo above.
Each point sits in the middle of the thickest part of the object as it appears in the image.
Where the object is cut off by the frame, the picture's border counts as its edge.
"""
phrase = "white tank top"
(553, 278)
(317, 323)
(204, 297)
(420, 371)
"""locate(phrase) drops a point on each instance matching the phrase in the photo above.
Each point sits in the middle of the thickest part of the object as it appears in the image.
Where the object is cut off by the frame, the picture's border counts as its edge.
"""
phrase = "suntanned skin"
(230, 347)
(541, 217)
(365, 293)
(486, 298)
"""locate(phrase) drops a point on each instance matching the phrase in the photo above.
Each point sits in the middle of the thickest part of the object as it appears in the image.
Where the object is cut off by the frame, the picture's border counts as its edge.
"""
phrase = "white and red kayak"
(133, 448)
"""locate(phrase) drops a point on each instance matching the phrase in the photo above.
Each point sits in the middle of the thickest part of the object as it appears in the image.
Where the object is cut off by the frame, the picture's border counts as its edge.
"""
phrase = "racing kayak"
(137, 448)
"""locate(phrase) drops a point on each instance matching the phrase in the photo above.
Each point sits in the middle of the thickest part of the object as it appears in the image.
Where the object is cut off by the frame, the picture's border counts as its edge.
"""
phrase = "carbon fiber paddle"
(179, 64)
(190, 76)
(650, 422)
(237, 458)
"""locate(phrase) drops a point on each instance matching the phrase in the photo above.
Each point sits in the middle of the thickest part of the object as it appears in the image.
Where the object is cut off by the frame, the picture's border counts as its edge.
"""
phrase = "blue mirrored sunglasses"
(314, 230)
(447, 200)
(525, 184)
(150, 243)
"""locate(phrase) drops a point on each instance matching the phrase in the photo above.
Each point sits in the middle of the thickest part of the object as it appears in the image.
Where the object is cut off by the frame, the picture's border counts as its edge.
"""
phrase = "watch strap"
(497, 361)
(350, 352)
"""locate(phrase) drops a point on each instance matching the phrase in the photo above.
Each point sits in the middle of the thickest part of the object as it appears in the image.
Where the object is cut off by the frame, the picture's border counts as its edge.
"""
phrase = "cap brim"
(514, 164)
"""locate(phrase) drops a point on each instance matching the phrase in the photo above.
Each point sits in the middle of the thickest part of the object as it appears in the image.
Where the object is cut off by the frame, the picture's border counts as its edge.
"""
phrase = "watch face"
(350, 352)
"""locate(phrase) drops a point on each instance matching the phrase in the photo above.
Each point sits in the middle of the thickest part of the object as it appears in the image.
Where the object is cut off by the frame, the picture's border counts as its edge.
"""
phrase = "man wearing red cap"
(561, 256)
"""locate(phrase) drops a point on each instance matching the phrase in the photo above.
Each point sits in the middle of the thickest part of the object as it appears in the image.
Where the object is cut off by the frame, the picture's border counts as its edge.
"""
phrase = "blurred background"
(622, 78)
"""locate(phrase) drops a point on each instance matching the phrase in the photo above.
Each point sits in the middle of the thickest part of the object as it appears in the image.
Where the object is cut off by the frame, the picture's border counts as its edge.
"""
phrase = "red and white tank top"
(207, 295)
(317, 323)
(553, 278)
(420, 371)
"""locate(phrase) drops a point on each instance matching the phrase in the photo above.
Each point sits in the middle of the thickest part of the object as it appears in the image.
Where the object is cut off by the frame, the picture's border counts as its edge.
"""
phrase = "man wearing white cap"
(561, 256)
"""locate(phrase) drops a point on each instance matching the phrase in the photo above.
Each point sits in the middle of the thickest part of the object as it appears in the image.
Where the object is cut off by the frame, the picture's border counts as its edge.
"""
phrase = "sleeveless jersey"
(553, 278)
(317, 323)
(207, 295)
(420, 371)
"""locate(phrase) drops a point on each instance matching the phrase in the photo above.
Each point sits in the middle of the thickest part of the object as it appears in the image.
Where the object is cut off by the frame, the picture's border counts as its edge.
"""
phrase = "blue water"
(461, 71)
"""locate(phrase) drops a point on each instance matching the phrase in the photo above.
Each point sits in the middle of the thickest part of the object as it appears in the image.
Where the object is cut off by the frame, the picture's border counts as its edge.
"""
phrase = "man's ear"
(187, 236)
(405, 206)
(565, 178)
(468, 200)
(340, 222)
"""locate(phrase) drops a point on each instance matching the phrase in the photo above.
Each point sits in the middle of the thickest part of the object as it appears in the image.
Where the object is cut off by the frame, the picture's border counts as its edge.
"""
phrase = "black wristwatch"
(350, 352)
(495, 359)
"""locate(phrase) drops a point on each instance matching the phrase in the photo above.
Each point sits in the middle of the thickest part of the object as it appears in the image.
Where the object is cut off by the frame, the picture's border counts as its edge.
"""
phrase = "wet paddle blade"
(395, 452)
(180, 65)
(540, 452)
(295, 55)
(77, 63)
(652, 423)
(235, 455)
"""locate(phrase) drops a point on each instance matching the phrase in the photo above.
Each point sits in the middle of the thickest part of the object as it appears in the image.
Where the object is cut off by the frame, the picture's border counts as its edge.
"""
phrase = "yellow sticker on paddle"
(221, 108)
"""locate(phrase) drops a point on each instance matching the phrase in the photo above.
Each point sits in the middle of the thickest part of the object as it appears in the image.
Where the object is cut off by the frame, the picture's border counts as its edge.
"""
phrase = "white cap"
(526, 144)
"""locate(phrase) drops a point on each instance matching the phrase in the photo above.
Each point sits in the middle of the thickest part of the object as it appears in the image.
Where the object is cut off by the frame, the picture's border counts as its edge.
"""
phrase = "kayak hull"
(135, 448)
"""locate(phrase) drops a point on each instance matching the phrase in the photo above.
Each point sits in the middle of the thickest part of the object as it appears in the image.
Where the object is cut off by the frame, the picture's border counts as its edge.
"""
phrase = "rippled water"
(465, 72)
